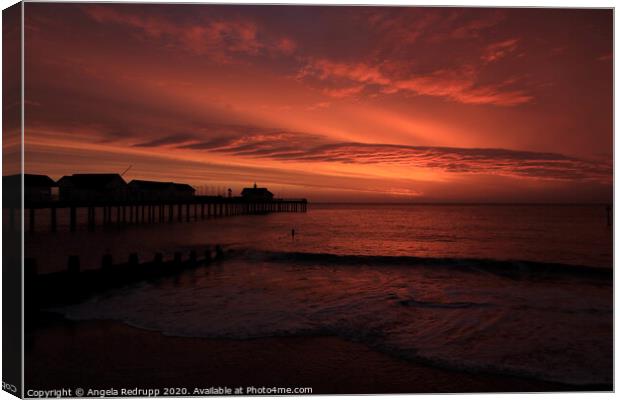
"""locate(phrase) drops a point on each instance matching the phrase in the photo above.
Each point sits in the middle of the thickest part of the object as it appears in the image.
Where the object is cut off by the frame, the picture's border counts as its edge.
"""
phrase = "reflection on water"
(552, 327)
(564, 234)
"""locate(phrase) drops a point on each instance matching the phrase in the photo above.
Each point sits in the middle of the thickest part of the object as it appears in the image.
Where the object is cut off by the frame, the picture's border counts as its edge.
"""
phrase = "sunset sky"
(328, 103)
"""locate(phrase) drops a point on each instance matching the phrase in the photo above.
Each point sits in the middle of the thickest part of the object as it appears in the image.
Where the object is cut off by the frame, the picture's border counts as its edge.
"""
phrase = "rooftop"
(30, 180)
(91, 181)
(151, 185)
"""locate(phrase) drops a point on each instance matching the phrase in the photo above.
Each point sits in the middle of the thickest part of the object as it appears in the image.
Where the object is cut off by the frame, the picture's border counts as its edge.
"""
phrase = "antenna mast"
(128, 168)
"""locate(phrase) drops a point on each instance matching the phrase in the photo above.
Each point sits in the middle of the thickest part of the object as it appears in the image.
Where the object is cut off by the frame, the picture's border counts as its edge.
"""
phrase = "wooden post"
(170, 213)
(180, 212)
(219, 252)
(73, 265)
(178, 259)
(187, 212)
(106, 261)
(133, 260)
(202, 210)
(53, 219)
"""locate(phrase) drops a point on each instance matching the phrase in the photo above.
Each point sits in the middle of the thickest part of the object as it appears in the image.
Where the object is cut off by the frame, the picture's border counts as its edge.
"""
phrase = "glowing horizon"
(328, 103)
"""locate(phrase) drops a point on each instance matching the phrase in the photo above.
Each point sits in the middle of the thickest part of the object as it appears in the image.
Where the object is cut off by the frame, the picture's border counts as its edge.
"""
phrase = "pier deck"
(140, 212)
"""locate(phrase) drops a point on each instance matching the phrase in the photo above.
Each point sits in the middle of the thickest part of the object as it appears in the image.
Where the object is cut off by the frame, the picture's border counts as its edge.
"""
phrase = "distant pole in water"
(609, 215)
(293, 233)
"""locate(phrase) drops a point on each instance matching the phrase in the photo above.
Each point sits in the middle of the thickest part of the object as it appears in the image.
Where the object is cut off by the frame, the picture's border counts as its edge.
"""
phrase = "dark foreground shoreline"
(108, 354)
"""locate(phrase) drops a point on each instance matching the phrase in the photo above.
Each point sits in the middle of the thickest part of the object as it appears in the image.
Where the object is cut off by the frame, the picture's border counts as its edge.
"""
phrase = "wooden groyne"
(131, 212)
(74, 284)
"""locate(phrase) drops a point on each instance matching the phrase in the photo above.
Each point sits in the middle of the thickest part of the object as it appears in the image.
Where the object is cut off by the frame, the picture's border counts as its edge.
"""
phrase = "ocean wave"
(554, 330)
(430, 304)
(508, 268)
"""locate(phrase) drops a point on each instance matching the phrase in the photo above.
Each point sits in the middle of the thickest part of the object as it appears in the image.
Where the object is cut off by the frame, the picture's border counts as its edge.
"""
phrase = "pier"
(107, 213)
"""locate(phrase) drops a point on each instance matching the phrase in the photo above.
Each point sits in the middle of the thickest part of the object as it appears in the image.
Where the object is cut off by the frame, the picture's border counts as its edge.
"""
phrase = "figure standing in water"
(293, 233)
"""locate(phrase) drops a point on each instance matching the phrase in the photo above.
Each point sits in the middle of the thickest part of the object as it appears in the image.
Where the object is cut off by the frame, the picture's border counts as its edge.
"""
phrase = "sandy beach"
(108, 354)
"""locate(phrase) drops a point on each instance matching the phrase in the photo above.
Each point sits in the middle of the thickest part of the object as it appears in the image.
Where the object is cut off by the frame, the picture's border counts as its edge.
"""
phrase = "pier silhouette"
(108, 200)
(139, 202)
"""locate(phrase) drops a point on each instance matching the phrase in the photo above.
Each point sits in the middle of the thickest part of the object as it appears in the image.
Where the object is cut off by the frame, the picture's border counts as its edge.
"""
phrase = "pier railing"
(150, 211)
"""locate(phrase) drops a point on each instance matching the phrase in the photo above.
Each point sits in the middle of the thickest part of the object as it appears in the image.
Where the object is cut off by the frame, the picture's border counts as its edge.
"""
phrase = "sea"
(524, 290)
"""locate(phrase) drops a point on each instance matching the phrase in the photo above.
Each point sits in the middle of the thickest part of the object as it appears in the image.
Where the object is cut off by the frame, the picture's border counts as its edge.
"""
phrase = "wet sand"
(108, 354)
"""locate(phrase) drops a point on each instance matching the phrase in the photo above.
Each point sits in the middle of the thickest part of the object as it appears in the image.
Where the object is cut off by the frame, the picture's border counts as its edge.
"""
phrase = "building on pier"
(140, 191)
(256, 193)
(37, 188)
(183, 191)
(92, 187)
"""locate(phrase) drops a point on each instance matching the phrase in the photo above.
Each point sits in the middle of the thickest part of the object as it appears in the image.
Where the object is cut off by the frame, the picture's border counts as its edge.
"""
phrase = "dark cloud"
(167, 140)
(300, 147)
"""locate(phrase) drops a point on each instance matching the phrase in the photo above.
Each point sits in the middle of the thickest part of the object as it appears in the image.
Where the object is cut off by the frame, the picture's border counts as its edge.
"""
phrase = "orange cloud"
(300, 147)
(456, 85)
(416, 100)
(498, 50)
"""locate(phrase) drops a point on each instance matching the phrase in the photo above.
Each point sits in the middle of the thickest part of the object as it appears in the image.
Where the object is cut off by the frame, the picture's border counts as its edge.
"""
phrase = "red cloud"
(286, 45)
(498, 50)
(304, 147)
(458, 85)
(219, 39)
